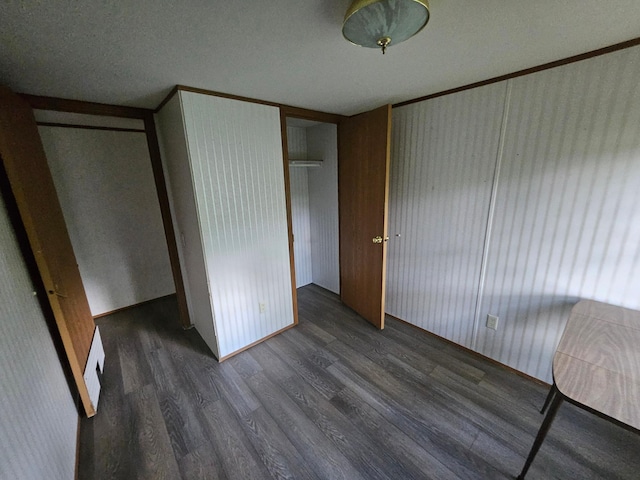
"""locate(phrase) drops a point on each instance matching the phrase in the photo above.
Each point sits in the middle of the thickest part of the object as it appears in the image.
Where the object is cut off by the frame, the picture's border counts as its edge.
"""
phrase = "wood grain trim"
(166, 99)
(89, 127)
(78, 106)
(122, 309)
(287, 196)
(545, 66)
(227, 357)
(473, 352)
(290, 111)
(204, 91)
(165, 210)
(296, 112)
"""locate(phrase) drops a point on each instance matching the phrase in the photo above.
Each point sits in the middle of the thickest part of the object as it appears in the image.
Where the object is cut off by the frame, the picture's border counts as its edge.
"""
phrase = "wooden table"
(596, 367)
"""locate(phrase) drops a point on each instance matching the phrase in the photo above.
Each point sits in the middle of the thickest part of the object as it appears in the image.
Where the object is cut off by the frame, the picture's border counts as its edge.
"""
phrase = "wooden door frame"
(146, 115)
(304, 114)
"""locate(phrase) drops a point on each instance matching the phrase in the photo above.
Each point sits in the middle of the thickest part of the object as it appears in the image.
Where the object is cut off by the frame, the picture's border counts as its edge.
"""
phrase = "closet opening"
(312, 162)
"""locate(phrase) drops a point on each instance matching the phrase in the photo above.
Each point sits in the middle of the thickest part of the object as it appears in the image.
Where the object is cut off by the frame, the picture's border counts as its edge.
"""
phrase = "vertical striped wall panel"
(39, 417)
(298, 178)
(236, 156)
(297, 143)
(177, 171)
(442, 168)
(322, 143)
(567, 222)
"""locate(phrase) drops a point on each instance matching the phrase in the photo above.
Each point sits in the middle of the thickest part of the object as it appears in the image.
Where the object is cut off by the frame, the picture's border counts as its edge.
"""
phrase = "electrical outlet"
(492, 322)
(262, 307)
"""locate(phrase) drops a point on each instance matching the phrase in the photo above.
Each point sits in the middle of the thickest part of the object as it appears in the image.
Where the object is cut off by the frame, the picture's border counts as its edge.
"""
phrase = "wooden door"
(32, 186)
(363, 178)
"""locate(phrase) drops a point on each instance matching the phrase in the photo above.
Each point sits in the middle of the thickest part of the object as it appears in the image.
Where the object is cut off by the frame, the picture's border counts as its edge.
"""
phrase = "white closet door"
(235, 150)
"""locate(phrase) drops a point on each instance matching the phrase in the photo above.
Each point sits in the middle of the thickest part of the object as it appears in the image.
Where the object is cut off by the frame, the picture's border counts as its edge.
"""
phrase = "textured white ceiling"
(131, 52)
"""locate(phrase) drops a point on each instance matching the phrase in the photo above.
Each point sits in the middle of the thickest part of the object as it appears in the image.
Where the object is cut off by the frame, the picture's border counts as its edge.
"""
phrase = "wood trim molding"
(287, 196)
(545, 66)
(296, 112)
(167, 222)
(38, 102)
(166, 99)
(233, 354)
(89, 127)
(290, 111)
(473, 352)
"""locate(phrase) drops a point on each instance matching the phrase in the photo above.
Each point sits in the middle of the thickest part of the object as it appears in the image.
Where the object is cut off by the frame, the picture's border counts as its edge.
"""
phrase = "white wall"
(322, 143)
(39, 417)
(235, 149)
(443, 162)
(299, 187)
(106, 189)
(561, 222)
(567, 222)
(177, 172)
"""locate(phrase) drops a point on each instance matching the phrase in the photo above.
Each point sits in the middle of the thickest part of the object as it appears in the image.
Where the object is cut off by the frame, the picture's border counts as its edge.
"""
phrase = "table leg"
(544, 428)
(552, 392)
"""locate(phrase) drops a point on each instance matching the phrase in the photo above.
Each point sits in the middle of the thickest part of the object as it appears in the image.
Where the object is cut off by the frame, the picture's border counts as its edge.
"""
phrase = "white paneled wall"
(443, 164)
(39, 416)
(299, 180)
(563, 220)
(106, 189)
(235, 150)
(322, 143)
(297, 143)
(314, 205)
(567, 222)
(177, 172)
(299, 184)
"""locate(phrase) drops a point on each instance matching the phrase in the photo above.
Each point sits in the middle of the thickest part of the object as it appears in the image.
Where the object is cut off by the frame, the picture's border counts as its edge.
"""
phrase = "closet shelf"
(304, 163)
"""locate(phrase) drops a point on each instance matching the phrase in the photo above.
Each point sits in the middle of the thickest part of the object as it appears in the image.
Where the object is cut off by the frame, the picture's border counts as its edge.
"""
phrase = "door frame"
(99, 109)
(304, 114)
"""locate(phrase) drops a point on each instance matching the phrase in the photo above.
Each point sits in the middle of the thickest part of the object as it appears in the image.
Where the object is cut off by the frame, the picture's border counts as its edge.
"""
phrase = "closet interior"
(313, 176)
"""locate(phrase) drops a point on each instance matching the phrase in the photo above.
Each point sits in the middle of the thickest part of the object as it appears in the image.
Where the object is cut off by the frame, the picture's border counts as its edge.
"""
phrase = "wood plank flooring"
(332, 398)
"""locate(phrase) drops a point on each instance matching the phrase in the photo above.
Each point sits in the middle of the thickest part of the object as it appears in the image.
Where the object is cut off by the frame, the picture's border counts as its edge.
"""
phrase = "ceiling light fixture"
(380, 23)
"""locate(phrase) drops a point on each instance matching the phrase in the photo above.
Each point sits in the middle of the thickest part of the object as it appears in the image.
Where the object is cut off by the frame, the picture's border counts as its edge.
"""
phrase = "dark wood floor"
(330, 399)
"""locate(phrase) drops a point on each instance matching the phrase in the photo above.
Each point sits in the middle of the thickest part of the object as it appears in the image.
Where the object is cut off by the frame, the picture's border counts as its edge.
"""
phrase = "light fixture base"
(368, 22)
(383, 43)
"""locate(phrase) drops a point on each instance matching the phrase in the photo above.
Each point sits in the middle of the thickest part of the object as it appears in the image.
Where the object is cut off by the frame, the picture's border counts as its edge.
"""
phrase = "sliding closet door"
(26, 167)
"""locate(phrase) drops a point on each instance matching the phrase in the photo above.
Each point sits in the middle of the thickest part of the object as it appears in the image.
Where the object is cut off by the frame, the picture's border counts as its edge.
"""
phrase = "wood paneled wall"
(517, 199)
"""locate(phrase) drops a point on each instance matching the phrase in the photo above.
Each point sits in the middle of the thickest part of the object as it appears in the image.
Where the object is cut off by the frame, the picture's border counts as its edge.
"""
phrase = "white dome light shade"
(379, 23)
